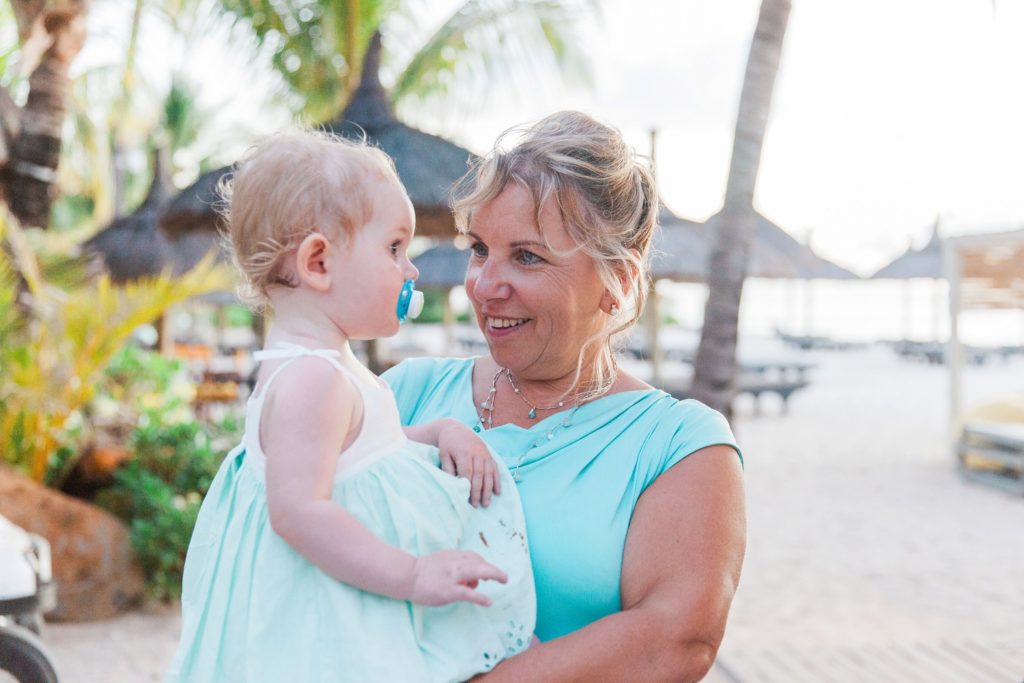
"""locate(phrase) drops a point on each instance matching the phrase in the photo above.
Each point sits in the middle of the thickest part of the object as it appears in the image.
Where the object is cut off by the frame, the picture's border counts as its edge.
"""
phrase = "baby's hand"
(451, 576)
(464, 454)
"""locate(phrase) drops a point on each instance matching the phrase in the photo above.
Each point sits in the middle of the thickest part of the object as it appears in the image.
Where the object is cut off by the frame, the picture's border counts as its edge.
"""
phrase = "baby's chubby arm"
(463, 454)
(306, 418)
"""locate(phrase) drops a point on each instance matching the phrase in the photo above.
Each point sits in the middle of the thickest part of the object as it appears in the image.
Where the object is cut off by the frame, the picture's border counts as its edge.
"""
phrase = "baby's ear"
(311, 261)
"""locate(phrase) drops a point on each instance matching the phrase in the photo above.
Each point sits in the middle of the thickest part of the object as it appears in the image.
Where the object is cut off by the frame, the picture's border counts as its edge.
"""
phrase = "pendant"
(532, 414)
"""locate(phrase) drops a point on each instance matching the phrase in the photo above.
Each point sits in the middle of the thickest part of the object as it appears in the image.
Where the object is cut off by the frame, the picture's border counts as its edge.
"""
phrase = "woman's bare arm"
(681, 566)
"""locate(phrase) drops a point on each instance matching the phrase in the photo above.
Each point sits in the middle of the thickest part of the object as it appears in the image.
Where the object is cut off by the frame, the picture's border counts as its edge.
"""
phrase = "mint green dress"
(580, 476)
(255, 610)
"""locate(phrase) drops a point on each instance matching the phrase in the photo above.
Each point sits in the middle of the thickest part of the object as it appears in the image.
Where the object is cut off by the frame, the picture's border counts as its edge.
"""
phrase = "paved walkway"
(866, 549)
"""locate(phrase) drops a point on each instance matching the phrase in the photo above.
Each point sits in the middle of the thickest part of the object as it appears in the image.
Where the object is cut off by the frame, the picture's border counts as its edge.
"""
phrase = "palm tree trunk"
(30, 176)
(352, 48)
(119, 144)
(714, 380)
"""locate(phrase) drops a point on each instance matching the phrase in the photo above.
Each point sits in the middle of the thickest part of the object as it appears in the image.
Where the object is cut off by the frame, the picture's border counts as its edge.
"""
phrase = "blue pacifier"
(410, 302)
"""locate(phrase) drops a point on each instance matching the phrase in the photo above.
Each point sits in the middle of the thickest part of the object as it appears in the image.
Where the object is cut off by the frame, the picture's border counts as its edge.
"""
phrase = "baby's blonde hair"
(289, 186)
(607, 199)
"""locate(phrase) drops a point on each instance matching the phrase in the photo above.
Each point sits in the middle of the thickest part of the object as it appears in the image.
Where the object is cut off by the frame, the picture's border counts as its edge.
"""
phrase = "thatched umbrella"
(133, 246)
(777, 254)
(680, 249)
(443, 267)
(923, 263)
(427, 164)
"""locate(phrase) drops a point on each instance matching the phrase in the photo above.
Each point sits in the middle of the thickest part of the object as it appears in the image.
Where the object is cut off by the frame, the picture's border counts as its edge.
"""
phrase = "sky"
(888, 114)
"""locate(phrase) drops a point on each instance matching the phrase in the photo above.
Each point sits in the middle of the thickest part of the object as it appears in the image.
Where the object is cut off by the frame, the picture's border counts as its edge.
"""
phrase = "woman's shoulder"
(672, 429)
(426, 371)
(671, 416)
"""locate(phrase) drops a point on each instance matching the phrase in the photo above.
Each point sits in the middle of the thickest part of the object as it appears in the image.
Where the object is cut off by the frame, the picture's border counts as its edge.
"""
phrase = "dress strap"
(290, 352)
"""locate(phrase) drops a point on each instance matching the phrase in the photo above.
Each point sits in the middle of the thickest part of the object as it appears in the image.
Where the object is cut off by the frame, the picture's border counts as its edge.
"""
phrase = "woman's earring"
(614, 310)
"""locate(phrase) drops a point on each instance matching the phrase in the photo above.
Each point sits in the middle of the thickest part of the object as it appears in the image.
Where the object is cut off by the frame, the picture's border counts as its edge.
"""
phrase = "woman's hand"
(464, 454)
(451, 576)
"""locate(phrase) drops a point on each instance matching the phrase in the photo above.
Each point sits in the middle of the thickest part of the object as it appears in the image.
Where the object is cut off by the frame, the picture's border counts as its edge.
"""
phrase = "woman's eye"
(529, 258)
(479, 250)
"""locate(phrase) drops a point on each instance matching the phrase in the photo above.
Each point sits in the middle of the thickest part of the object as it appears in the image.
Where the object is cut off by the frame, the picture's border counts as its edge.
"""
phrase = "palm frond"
(56, 341)
(487, 41)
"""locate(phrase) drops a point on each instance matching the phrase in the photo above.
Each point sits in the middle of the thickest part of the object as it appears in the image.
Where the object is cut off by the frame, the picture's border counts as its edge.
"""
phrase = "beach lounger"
(993, 453)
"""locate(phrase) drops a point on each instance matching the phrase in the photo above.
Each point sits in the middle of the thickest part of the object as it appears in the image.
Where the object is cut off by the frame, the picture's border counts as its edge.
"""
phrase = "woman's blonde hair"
(287, 187)
(608, 203)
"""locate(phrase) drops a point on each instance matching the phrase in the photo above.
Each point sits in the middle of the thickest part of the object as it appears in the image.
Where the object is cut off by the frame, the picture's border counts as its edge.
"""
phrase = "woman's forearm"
(639, 644)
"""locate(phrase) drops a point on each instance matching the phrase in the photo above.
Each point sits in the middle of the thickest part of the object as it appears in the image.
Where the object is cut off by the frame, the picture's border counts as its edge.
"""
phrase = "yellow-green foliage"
(56, 340)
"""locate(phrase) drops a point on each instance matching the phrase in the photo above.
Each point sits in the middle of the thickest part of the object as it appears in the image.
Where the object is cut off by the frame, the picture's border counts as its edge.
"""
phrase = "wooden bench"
(784, 388)
(993, 453)
(755, 387)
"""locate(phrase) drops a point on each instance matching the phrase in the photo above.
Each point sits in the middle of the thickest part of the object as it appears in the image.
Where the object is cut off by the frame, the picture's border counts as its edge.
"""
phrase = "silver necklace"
(486, 417)
(565, 422)
(487, 406)
(533, 409)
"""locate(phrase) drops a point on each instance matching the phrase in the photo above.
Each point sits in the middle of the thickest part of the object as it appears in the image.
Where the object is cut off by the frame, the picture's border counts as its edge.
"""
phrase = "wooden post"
(954, 350)
(653, 314)
(165, 333)
(652, 318)
(808, 307)
(448, 322)
(908, 308)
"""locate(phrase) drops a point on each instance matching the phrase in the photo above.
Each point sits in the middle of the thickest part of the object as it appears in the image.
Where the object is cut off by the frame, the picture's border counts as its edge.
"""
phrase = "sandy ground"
(862, 537)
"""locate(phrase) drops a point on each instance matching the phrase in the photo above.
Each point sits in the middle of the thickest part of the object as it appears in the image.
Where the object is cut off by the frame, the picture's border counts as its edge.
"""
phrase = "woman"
(634, 501)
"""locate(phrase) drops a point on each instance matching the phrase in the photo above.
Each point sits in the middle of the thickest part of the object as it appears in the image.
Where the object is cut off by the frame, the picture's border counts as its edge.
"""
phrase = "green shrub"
(159, 491)
(175, 457)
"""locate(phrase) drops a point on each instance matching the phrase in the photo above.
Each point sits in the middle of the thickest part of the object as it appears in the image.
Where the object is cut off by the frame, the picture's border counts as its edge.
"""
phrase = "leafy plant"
(55, 341)
(158, 492)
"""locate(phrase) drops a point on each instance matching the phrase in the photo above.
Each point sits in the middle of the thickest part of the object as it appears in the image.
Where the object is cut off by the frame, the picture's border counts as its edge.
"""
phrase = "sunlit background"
(888, 117)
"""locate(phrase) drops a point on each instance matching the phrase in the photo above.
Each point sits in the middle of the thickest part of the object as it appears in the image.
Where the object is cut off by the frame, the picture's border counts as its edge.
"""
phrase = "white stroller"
(26, 593)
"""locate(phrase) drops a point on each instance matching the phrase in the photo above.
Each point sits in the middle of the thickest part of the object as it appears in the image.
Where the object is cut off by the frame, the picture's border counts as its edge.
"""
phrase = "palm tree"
(714, 380)
(50, 35)
(317, 47)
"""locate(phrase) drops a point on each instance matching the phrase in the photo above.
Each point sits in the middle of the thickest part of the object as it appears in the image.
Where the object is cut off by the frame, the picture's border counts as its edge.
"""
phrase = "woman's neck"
(540, 396)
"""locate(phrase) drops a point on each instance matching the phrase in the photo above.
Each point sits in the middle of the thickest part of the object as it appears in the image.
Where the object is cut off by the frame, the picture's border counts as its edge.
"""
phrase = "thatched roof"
(442, 266)
(428, 165)
(683, 248)
(680, 249)
(133, 246)
(925, 262)
(680, 252)
(192, 209)
(777, 254)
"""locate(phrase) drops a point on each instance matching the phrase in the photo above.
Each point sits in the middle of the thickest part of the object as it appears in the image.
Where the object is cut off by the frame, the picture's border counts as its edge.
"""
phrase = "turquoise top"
(579, 485)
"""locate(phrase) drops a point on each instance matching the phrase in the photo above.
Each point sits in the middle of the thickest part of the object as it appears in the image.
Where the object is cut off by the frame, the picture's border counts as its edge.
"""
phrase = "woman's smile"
(501, 327)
